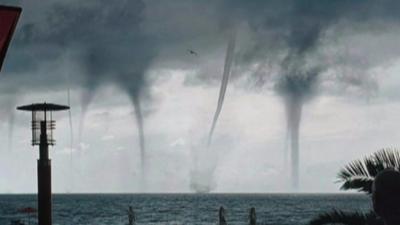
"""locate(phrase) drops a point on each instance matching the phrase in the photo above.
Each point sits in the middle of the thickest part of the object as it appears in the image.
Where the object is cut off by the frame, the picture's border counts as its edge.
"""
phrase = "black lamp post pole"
(44, 163)
(44, 179)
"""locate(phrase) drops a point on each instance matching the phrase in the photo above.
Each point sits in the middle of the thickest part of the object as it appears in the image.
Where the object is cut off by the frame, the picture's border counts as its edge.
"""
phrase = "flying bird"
(192, 52)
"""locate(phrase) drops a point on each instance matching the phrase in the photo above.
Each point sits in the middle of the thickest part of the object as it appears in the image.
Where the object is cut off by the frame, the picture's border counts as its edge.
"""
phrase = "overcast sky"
(344, 55)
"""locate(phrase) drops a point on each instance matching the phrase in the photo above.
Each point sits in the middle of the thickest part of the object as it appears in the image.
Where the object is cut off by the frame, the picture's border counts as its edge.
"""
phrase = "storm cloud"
(298, 50)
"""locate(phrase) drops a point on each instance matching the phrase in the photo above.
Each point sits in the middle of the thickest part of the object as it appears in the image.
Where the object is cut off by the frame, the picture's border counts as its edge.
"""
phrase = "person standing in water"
(252, 216)
(222, 220)
(131, 216)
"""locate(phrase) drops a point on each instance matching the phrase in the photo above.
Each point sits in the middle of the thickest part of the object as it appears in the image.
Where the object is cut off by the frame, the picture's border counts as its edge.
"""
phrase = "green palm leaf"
(346, 218)
(360, 174)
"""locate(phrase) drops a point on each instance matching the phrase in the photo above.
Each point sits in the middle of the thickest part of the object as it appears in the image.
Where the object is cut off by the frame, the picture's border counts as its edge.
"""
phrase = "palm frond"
(346, 218)
(360, 184)
(360, 174)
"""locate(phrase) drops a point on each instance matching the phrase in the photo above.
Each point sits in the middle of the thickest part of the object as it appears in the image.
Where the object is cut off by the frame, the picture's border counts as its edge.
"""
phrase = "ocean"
(180, 209)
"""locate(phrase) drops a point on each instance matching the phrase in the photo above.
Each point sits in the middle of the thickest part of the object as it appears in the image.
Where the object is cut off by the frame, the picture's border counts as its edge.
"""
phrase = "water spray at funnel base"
(202, 173)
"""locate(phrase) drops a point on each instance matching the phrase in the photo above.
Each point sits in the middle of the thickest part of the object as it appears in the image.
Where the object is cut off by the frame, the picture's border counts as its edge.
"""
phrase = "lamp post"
(42, 135)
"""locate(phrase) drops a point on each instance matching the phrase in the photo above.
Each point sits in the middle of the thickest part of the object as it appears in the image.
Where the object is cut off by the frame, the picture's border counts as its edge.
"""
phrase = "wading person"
(252, 216)
(386, 196)
(222, 220)
(131, 216)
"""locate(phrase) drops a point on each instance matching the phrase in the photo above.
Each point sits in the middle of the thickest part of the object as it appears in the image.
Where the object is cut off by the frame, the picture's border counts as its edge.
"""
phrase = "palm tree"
(359, 175)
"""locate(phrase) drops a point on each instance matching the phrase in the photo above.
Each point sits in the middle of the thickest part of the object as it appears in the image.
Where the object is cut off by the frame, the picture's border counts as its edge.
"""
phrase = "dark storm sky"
(107, 52)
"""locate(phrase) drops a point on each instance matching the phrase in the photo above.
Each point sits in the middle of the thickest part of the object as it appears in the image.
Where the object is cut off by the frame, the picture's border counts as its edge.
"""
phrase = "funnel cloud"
(230, 50)
(202, 176)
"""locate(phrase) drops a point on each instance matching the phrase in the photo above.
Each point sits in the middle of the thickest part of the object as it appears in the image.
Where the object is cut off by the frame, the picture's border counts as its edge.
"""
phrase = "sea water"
(183, 209)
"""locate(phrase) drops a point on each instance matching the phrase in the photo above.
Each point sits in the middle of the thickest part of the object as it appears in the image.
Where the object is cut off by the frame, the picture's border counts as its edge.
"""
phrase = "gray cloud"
(296, 48)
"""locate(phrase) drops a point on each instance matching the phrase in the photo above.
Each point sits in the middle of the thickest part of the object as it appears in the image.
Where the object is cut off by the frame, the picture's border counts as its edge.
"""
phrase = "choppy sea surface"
(180, 209)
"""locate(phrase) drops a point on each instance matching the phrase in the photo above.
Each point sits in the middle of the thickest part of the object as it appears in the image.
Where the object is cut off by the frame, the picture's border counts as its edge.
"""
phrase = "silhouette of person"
(131, 216)
(222, 220)
(252, 216)
(386, 196)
